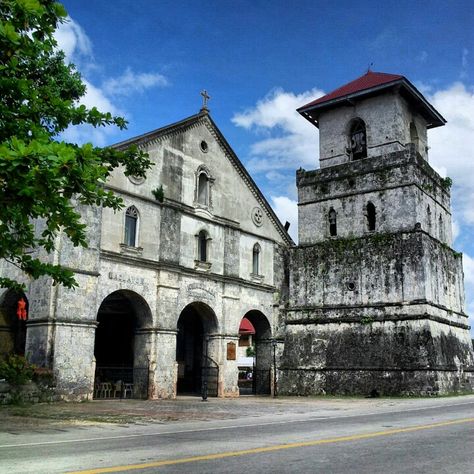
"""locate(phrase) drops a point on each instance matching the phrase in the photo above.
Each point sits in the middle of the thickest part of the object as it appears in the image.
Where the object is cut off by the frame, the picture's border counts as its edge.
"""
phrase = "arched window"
(256, 259)
(414, 135)
(131, 226)
(428, 217)
(358, 140)
(202, 246)
(370, 216)
(203, 189)
(332, 222)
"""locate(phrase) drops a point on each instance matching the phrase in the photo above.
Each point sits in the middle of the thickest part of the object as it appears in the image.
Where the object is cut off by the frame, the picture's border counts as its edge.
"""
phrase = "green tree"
(41, 177)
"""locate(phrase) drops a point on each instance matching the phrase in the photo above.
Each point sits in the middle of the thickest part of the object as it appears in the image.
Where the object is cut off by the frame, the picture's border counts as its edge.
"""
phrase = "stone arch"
(196, 350)
(263, 347)
(122, 344)
(14, 309)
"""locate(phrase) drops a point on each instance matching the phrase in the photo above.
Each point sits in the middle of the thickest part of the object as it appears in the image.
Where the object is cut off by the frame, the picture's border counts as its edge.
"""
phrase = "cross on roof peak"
(205, 99)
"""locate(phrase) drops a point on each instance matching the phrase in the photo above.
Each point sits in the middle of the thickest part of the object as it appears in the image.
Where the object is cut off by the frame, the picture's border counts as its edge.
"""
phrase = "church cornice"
(174, 267)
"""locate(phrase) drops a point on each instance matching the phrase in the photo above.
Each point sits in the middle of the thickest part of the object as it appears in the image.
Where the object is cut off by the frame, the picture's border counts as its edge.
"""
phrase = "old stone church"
(370, 300)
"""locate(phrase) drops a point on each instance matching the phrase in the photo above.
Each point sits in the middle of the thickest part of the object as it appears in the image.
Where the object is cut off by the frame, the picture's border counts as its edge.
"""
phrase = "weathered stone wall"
(387, 118)
(404, 189)
(161, 275)
(384, 312)
(404, 357)
(377, 269)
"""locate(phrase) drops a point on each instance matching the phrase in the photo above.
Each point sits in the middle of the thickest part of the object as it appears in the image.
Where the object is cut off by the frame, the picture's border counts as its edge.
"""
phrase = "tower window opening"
(358, 140)
(414, 136)
(370, 216)
(332, 216)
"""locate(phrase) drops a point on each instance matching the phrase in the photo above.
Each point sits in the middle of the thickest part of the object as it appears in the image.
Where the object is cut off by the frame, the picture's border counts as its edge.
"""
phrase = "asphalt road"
(435, 435)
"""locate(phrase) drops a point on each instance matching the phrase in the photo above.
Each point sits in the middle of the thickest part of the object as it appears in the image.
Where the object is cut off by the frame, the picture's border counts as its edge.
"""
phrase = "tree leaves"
(41, 179)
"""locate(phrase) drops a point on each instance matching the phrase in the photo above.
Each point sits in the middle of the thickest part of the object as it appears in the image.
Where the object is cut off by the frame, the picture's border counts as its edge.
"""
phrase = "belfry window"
(203, 189)
(131, 226)
(358, 140)
(332, 217)
(370, 216)
(414, 136)
(202, 246)
(256, 259)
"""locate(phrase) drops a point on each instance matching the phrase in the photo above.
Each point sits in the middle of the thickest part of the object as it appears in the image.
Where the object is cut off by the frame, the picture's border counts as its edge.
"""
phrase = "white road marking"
(219, 428)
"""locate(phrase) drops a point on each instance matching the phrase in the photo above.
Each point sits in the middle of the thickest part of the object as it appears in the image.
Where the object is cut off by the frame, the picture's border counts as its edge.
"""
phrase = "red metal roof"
(369, 80)
(246, 327)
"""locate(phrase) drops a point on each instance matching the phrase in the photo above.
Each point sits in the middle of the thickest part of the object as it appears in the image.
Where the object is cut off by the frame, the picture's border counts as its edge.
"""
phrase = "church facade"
(371, 299)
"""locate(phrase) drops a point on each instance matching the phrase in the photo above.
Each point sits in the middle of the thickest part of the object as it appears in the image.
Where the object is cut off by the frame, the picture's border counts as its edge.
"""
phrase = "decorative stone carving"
(257, 216)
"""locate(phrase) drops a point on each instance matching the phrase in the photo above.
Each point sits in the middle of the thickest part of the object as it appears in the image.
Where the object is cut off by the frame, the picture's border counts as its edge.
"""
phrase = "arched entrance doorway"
(255, 336)
(13, 317)
(120, 347)
(196, 323)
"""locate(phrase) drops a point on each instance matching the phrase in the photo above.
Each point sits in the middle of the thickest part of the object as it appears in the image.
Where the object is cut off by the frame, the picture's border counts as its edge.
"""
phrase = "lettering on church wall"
(197, 290)
(130, 279)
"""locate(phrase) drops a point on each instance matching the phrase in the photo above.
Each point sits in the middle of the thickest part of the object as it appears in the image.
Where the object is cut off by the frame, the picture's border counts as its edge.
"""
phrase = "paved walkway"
(18, 419)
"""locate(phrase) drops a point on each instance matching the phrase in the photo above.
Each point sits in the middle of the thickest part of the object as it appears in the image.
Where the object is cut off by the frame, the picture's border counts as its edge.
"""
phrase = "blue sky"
(260, 60)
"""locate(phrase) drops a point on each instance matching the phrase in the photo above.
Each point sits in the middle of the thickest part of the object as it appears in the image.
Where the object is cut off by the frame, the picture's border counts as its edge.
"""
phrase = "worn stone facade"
(161, 276)
(370, 301)
(376, 301)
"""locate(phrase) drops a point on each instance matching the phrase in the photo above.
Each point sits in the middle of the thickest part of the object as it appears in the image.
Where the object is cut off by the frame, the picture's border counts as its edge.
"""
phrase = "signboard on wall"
(231, 351)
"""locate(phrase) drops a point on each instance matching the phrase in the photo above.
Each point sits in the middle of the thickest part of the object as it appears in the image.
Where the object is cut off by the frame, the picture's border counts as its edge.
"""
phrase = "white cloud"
(287, 140)
(468, 266)
(287, 210)
(73, 40)
(77, 46)
(95, 97)
(452, 146)
(130, 82)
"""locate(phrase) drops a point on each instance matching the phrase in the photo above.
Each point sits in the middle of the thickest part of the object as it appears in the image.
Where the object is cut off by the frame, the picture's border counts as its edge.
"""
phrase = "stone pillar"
(73, 359)
(163, 383)
(228, 369)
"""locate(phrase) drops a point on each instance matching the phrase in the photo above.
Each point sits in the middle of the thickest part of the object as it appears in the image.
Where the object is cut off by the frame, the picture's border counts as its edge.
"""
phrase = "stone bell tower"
(376, 292)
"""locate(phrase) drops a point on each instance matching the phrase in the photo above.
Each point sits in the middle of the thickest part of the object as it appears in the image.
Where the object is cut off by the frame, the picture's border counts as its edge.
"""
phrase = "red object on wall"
(21, 310)
(246, 327)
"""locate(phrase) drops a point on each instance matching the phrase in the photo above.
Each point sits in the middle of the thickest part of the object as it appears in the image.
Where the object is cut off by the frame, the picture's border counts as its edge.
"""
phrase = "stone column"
(228, 371)
(164, 380)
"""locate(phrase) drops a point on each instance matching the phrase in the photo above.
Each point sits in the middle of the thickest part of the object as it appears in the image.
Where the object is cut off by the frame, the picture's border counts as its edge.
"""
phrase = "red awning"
(246, 327)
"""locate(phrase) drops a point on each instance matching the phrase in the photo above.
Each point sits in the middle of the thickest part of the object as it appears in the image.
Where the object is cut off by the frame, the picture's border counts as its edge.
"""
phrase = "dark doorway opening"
(195, 363)
(14, 312)
(120, 371)
(261, 374)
